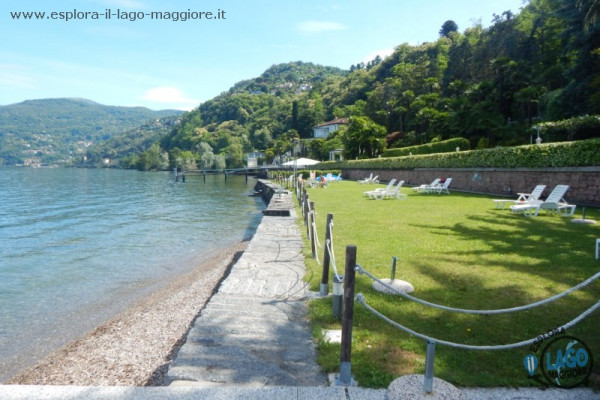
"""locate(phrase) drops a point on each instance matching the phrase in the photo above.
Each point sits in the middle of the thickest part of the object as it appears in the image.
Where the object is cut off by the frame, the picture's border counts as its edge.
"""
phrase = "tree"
(234, 153)
(363, 138)
(309, 112)
(220, 162)
(206, 157)
(447, 28)
(283, 144)
(151, 159)
(261, 138)
(187, 161)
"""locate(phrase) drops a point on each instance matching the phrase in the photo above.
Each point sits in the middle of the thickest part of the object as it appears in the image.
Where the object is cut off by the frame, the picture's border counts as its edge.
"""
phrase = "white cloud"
(313, 27)
(11, 75)
(171, 96)
(383, 53)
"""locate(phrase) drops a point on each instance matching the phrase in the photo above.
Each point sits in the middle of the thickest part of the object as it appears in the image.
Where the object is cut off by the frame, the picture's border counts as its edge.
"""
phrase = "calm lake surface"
(77, 246)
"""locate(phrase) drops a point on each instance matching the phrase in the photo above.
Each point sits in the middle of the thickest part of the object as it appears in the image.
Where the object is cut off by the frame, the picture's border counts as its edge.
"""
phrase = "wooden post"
(306, 210)
(303, 196)
(313, 244)
(347, 317)
(324, 290)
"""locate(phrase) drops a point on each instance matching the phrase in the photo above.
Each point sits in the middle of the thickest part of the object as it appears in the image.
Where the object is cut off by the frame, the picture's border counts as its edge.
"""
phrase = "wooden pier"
(259, 171)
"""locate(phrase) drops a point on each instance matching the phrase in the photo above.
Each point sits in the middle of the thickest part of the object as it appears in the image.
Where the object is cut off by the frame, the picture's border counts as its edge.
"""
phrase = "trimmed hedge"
(564, 154)
(445, 146)
(576, 128)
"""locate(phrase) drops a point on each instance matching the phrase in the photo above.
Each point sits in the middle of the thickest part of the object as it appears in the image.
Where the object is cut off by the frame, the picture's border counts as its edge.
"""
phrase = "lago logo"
(565, 362)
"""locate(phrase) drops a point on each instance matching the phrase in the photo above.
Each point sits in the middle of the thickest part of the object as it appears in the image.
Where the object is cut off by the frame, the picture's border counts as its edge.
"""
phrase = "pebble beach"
(135, 347)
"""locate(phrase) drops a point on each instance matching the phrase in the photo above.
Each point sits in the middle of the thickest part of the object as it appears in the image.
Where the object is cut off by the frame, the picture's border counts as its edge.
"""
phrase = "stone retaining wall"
(279, 202)
(265, 189)
(584, 182)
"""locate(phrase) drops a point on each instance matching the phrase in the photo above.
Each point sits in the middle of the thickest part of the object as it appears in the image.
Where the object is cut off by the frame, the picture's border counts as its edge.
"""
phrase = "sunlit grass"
(459, 251)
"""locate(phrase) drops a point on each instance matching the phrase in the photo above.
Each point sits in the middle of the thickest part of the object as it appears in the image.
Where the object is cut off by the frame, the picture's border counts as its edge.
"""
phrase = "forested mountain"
(259, 114)
(489, 85)
(60, 130)
(120, 148)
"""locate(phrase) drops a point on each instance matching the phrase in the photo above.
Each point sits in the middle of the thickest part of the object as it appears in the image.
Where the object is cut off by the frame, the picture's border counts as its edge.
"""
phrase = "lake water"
(77, 246)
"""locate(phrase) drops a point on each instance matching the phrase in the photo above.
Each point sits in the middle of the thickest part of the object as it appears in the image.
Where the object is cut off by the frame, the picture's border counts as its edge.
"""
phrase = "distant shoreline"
(136, 347)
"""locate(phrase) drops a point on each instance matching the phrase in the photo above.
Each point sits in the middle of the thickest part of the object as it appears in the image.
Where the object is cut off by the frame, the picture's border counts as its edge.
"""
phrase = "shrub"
(576, 128)
(564, 154)
(445, 146)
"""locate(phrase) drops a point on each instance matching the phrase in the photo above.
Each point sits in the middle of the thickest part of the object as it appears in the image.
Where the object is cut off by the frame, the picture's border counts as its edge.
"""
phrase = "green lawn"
(456, 250)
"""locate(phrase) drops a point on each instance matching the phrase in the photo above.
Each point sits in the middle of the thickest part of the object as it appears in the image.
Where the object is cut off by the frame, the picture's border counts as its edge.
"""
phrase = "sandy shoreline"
(135, 347)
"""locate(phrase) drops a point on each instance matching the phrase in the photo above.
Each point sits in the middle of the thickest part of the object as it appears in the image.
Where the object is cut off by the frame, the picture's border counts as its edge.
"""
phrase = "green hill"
(536, 72)
(130, 143)
(525, 74)
(255, 114)
(60, 130)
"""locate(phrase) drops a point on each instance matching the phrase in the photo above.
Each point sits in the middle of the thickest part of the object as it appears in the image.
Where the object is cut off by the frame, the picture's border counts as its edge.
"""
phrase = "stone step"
(246, 374)
(199, 354)
(236, 306)
(260, 346)
(245, 366)
(264, 288)
(193, 390)
(214, 316)
(259, 329)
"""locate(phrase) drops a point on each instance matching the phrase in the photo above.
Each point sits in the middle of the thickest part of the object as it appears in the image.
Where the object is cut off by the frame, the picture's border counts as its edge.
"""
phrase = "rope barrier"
(331, 252)
(316, 237)
(329, 248)
(332, 260)
(361, 300)
(361, 271)
(314, 224)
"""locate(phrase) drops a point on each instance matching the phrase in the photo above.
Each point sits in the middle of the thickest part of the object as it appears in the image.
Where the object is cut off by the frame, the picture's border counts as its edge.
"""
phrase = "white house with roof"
(323, 130)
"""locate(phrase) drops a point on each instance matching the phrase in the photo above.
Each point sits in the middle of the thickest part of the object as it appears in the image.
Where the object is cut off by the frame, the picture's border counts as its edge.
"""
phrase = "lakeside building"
(323, 130)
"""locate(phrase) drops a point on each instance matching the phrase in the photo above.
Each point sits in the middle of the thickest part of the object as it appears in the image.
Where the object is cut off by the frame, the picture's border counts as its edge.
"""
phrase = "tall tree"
(447, 28)
(363, 138)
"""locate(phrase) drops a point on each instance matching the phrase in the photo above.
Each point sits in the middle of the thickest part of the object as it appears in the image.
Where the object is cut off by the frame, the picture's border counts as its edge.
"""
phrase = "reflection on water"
(79, 241)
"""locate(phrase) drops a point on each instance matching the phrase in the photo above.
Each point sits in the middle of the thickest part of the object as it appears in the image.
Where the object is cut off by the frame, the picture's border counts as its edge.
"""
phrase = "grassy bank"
(456, 250)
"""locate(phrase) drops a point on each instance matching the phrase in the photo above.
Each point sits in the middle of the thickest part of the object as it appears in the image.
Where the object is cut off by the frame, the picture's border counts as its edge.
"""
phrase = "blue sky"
(163, 64)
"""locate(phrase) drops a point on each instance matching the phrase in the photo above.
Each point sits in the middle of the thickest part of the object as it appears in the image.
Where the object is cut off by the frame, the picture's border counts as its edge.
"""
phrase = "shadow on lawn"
(547, 246)
(473, 367)
(528, 259)
(472, 291)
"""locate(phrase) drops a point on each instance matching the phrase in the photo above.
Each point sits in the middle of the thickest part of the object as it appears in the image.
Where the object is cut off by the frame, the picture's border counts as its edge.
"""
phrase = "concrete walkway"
(254, 331)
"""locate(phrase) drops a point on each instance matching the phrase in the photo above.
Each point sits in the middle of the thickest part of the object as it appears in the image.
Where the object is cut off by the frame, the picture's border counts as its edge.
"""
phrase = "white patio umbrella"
(300, 163)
